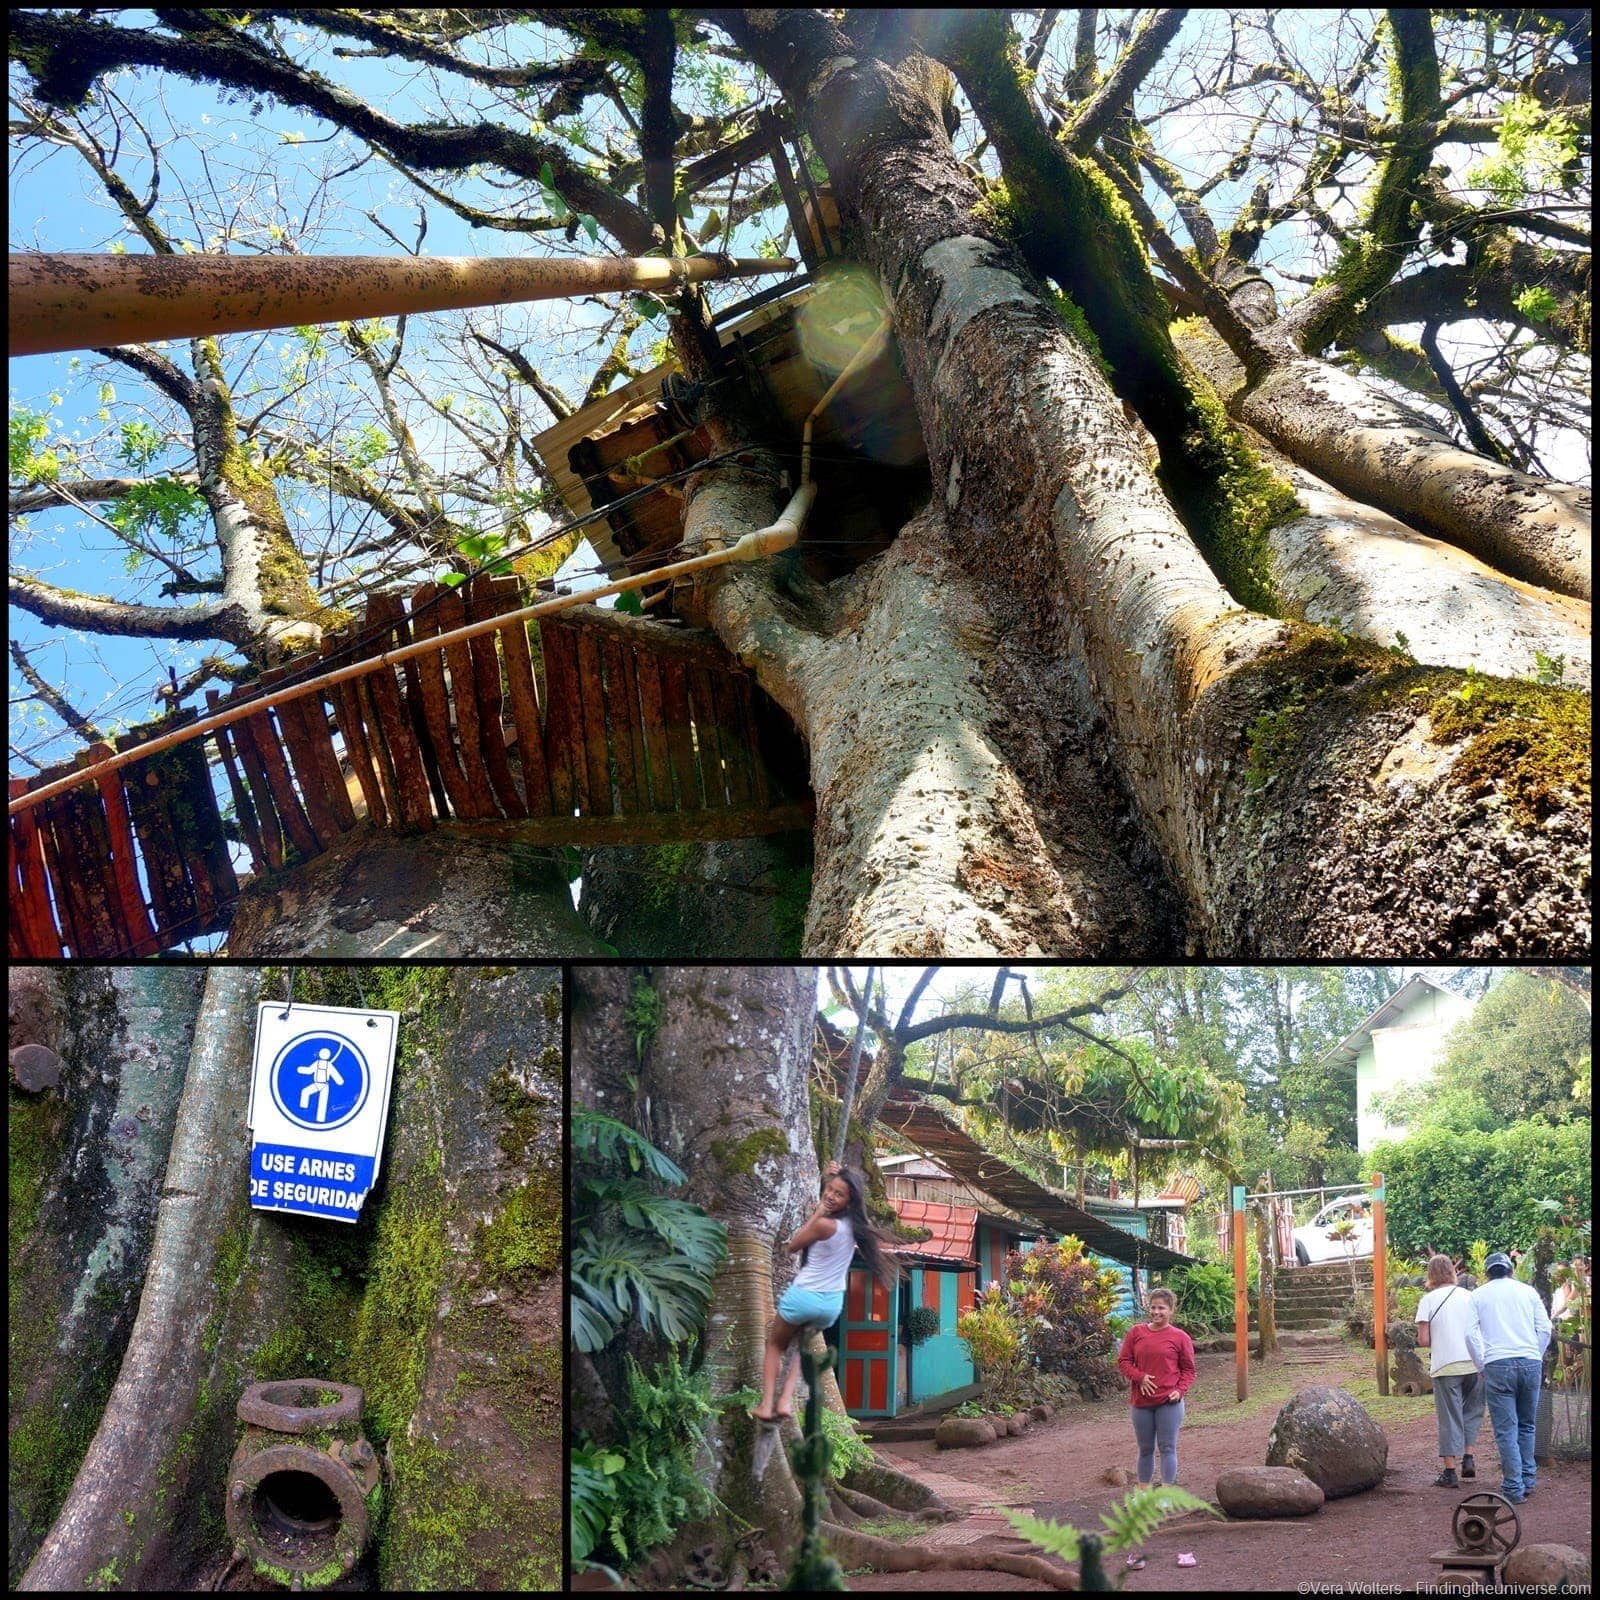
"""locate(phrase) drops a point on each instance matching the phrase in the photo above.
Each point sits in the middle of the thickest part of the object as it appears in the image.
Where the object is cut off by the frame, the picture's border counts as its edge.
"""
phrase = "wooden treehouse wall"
(620, 733)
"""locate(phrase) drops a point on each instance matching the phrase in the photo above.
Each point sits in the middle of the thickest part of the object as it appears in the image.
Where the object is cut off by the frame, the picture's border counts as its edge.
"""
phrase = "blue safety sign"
(319, 1081)
(319, 1106)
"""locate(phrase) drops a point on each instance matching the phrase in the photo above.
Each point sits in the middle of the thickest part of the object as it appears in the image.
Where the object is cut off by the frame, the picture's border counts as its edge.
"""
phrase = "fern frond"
(1054, 1538)
(1142, 1511)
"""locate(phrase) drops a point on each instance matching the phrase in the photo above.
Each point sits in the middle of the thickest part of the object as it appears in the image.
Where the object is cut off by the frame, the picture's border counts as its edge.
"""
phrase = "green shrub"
(628, 1500)
(1205, 1293)
(1064, 1302)
(1447, 1189)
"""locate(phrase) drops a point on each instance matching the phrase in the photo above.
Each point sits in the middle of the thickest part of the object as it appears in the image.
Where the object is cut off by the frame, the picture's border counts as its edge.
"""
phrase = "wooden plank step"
(392, 725)
(490, 698)
(450, 610)
(142, 938)
(563, 725)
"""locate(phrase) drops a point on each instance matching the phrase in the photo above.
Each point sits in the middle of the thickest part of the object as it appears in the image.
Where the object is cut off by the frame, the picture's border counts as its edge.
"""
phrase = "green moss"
(521, 1113)
(389, 1343)
(1074, 318)
(324, 1575)
(643, 1012)
(1529, 742)
(738, 1157)
(789, 911)
(524, 1240)
(663, 866)
(232, 1248)
(33, 1129)
(552, 1004)
(450, 1529)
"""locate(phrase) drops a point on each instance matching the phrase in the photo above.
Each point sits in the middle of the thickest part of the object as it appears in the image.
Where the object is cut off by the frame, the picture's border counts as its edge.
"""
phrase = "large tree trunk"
(962, 808)
(1249, 745)
(86, 1159)
(442, 1302)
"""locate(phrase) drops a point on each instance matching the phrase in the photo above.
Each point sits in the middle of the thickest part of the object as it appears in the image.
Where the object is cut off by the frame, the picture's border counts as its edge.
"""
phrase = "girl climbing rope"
(826, 1243)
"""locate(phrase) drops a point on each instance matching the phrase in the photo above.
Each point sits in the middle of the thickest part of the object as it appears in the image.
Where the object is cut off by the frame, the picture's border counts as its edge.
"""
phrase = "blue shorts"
(807, 1306)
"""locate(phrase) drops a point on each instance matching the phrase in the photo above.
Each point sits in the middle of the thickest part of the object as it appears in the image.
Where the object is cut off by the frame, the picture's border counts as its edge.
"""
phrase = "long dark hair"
(870, 1241)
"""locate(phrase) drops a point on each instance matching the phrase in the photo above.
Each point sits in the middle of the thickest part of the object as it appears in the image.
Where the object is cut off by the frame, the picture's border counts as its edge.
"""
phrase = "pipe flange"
(301, 1406)
(297, 1510)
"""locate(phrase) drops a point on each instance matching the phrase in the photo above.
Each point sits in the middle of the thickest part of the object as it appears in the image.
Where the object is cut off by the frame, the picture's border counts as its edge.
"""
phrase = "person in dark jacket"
(1157, 1359)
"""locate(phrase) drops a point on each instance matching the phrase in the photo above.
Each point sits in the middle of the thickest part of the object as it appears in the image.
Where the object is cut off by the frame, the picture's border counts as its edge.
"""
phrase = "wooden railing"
(600, 731)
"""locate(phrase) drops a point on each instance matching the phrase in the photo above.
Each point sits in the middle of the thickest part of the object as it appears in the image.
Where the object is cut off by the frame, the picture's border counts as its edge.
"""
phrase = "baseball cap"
(1498, 1259)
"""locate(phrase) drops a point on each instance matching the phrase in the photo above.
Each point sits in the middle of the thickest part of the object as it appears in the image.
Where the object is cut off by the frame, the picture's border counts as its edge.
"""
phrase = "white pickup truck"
(1314, 1243)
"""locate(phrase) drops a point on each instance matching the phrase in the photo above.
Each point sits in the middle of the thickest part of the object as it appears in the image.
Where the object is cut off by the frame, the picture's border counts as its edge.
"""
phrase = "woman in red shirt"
(1158, 1360)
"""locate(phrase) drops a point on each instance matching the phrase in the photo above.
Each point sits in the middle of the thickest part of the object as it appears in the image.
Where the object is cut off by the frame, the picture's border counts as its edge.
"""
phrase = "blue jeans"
(1513, 1412)
(1155, 1426)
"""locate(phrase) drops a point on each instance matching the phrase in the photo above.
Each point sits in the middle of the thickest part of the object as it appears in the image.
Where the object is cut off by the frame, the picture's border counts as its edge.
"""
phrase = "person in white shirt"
(826, 1242)
(1447, 1327)
(1515, 1328)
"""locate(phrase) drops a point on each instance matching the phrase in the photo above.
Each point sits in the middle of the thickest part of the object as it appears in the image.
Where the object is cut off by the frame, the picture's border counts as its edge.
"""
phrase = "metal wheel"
(1486, 1522)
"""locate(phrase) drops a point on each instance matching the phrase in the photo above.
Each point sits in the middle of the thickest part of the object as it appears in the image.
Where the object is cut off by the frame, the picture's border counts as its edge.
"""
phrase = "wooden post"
(1266, 1308)
(1380, 1285)
(72, 302)
(1241, 1302)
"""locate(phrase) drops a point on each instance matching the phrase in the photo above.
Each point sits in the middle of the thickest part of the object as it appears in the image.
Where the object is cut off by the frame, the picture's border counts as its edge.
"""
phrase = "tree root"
(853, 1549)
(861, 1505)
(898, 1491)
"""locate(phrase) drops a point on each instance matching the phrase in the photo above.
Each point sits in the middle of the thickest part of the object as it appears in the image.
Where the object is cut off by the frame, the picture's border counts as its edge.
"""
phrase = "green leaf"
(450, 580)
(589, 226)
(629, 602)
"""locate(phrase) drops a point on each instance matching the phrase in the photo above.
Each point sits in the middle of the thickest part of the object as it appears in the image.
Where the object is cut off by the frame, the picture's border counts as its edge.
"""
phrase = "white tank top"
(828, 1261)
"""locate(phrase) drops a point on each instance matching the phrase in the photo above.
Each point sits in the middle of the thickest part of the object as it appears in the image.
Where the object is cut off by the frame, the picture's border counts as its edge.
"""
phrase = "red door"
(867, 1340)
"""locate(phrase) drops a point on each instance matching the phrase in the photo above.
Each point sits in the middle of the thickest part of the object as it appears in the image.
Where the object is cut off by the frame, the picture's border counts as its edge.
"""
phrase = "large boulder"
(1547, 1566)
(1267, 1492)
(1329, 1436)
(962, 1433)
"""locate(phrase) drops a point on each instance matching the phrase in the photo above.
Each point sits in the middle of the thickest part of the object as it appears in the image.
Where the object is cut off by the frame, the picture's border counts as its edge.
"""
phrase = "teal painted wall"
(1134, 1222)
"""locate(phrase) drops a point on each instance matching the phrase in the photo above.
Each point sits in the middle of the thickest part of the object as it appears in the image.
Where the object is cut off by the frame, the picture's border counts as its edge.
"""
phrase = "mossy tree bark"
(442, 1302)
(1249, 745)
(85, 1164)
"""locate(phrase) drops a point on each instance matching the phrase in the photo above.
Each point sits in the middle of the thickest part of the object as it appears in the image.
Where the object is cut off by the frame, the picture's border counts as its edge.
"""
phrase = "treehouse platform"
(589, 729)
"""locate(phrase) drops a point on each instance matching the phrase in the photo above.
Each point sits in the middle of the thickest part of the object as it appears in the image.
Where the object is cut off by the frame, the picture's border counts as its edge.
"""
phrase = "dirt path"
(1385, 1536)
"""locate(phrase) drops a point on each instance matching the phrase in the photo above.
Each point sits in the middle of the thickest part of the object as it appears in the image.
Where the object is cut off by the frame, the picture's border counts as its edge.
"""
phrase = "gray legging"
(1157, 1427)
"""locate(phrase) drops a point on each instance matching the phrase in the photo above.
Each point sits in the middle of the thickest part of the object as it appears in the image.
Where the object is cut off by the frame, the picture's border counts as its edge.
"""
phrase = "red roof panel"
(951, 1229)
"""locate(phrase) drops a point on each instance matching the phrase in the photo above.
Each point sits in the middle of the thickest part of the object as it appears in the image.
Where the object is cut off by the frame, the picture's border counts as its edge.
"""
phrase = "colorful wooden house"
(882, 1372)
(975, 1210)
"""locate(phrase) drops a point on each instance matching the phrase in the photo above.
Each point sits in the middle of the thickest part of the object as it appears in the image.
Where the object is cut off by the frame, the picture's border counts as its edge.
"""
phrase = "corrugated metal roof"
(1182, 1190)
(951, 1230)
(931, 1131)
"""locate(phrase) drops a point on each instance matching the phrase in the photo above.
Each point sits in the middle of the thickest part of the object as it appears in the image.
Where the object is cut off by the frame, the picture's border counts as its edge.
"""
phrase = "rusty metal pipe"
(76, 302)
(303, 1482)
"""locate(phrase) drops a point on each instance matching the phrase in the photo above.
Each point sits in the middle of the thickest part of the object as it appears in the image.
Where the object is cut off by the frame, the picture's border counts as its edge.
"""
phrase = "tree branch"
(1113, 96)
(53, 697)
(97, 614)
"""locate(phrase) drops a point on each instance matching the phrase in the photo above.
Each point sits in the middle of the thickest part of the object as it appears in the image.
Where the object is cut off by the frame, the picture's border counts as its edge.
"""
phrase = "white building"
(1398, 1045)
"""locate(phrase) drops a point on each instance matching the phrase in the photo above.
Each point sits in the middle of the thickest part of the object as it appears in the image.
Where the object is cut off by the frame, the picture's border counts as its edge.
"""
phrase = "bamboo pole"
(752, 546)
(74, 302)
